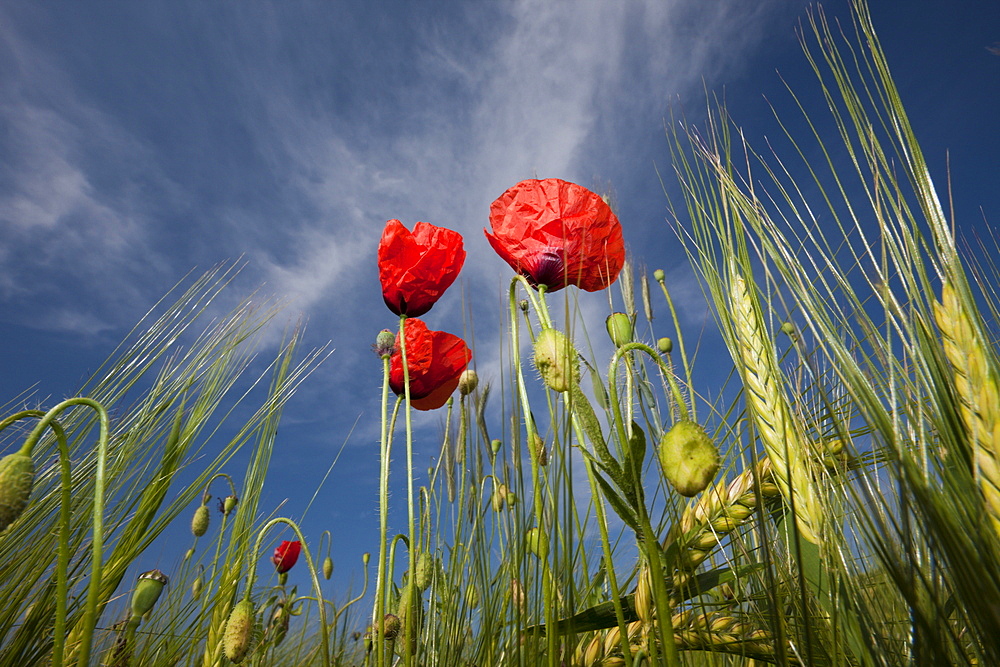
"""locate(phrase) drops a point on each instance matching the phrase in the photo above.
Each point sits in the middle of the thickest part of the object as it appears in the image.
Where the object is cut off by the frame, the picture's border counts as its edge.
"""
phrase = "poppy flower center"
(549, 269)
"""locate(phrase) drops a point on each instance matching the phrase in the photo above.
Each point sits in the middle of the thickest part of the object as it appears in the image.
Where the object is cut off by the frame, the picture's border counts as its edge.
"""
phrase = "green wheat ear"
(771, 414)
(976, 387)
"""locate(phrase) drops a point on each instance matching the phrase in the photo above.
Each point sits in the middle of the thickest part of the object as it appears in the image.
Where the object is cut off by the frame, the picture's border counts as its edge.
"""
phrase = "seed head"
(658, 275)
(385, 344)
(147, 592)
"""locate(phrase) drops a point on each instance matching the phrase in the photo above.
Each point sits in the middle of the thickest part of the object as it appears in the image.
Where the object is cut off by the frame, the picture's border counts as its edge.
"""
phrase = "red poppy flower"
(417, 267)
(285, 555)
(435, 359)
(557, 233)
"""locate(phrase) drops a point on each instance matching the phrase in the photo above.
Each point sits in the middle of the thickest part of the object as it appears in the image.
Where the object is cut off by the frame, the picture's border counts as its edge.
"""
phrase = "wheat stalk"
(976, 387)
(771, 414)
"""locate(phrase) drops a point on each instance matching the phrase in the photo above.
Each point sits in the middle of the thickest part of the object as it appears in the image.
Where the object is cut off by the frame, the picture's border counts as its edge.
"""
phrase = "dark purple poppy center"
(549, 269)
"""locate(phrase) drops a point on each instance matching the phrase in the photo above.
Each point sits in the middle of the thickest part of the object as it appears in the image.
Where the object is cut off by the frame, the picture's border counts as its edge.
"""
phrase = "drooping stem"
(97, 541)
(253, 557)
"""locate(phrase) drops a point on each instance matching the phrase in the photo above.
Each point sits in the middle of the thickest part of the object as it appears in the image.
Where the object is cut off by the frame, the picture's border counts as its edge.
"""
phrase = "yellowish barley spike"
(976, 387)
(770, 412)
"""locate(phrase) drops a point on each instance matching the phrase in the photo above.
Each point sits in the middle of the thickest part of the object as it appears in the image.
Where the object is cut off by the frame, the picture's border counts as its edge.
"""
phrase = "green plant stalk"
(383, 503)
(680, 344)
(407, 647)
(650, 544)
(549, 610)
(97, 542)
(609, 564)
(254, 556)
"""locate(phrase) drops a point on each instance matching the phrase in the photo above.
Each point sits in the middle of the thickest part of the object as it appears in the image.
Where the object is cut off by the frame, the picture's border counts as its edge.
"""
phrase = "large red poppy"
(285, 555)
(417, 267)
(435, 360)
(557, 233)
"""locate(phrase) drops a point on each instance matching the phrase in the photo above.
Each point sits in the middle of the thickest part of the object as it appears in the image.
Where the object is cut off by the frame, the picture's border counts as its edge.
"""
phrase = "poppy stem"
(383, 504)
(97, 542)
(408, 603)
(254, 556)
(680, 342)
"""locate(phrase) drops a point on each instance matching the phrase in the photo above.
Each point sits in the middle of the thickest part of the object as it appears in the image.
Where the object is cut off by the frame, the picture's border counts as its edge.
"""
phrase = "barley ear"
(976, 387)
(769, 410)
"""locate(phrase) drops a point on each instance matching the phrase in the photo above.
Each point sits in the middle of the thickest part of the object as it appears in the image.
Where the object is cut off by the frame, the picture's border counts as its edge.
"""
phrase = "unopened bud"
(688, 457)
(658, 275)
(391, 625)
(423, 571)
(537, 544)
(467, 382)
(197, 586)
(665, 345)
(199, 522)
(495, 446)
(147, 592)
(788, 329)
(536, 446)
(523, 304)
(619, 327)
(17, 476)
(499, 497)
(278, 625)
(327, 568)
(239, 631)
(556, 360)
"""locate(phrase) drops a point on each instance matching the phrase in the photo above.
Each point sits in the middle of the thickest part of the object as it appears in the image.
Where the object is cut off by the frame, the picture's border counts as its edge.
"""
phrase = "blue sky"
(139, 141)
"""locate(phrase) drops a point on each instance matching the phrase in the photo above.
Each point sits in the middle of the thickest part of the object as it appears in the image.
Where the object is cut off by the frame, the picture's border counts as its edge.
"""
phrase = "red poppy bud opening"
(557, 233)
(435, 360)
(285, 555)
(417, 267)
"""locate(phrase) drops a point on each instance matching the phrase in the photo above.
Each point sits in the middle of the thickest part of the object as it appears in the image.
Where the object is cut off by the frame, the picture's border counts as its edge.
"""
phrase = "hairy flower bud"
(688, 457)
(391, 626)
(467, 382)
(556, 360)
(199, 522)
(499, 497)
(17, 476)
(423, 571)
(327, 568)
(536, 543)
(619, 326)
(239, 631)
(665, 345)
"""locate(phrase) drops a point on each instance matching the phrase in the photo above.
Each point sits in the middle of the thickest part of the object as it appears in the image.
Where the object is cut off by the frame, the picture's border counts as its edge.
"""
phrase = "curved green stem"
(253, 557)
(680, 342)
(97, 542)
(613, 382)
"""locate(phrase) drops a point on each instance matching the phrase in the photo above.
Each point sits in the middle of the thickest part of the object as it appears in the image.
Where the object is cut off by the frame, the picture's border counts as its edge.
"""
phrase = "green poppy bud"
(278, 624)
(665, 345)
(229, 504)
(536, 544)
(788, 329)
(688, 457)
(499, 497)
(199, 522)
(197, 586)
(17, 476)
(327, 568)
(467, 382)
(556, 360)
(423, 571)
(523, 303)
(239, 631)
(495, 446)
(147, 592)
(619, 327)
(511, 499)
(658, 275)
